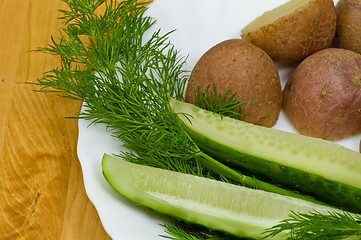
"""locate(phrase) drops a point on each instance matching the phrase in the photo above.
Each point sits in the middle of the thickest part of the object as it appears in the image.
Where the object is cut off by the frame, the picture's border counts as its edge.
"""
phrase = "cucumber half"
(327, 171)
(234, 209)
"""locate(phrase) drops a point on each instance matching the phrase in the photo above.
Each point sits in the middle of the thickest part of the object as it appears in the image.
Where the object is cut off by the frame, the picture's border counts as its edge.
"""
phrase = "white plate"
(200, 24)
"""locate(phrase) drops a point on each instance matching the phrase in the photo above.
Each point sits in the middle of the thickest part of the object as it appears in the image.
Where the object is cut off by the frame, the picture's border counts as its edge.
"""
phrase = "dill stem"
(223, 170)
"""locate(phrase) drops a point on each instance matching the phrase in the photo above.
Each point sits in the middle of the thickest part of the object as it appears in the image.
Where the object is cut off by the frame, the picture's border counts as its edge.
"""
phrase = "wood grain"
(42, 192)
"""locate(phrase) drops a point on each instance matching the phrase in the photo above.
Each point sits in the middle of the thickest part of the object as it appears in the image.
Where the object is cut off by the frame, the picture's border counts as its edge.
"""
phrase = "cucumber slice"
(217, 205)
(323, 169)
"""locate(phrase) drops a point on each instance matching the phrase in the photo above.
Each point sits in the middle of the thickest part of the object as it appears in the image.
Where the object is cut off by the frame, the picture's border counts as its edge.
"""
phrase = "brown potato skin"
(246, 69)
(295, 36)
(322, 97)
(348, 31)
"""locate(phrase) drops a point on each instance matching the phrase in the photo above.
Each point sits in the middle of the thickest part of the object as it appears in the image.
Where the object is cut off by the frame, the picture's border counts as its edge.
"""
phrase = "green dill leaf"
(180, 230)
(124, 80)
(222, 104)
(315, 225)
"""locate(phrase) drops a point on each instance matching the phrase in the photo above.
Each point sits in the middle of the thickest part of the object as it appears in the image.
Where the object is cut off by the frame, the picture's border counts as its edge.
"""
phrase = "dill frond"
(316, 225)
(223, 104)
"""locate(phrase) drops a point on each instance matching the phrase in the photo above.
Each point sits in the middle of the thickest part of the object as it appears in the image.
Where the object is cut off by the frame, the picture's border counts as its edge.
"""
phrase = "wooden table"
(42, 192)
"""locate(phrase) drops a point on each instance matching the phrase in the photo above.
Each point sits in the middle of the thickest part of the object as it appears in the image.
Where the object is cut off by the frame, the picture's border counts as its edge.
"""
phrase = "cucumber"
(323, 169)
(233, 209)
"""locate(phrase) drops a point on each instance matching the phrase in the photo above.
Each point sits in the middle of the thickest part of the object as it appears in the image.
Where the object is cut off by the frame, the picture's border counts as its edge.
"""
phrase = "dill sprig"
(315, 225)
(124, 79)
(223, 104)
(180, 230)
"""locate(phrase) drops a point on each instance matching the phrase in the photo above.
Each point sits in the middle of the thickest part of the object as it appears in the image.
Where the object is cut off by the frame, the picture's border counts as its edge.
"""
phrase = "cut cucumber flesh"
(217, 205)
(326, 170)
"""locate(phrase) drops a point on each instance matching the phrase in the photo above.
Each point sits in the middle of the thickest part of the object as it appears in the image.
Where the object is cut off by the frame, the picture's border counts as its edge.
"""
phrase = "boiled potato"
(295, 30)
(348, 31)
(322, 97)
(245, 69)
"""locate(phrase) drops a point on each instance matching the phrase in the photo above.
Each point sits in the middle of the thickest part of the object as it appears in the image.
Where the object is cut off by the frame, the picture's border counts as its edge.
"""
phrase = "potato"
(294, 30)
(322, 97)
(348, 31)
(245, 69)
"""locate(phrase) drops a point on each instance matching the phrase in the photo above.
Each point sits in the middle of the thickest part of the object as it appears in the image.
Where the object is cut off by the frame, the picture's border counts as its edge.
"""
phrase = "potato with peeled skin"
(322, 97)
(294, 30)
(348, 31)
(245, 69)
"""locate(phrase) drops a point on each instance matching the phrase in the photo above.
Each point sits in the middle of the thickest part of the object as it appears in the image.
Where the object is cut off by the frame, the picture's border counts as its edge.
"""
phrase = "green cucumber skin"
(331, 192)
